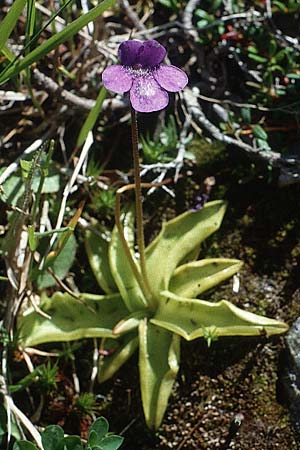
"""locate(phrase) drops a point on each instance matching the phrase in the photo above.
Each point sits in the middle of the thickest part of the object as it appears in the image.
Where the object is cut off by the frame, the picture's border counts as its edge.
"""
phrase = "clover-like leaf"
(178, 238)
(100, 439)
(93, 440)
(52, 438)
(190, 318)
(112, 442)
(71, 318)
(190, 280)
(159, 355)
(119, 351)
(121, 269)
(97, 250)
(24, 445)
(100, 427)
(72, 443)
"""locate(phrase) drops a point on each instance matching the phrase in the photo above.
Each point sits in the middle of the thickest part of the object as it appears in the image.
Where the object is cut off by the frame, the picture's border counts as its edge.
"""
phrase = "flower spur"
(142, 73)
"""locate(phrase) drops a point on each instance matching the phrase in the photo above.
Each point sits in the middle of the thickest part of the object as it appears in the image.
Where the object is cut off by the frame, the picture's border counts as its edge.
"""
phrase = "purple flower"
(142, 73)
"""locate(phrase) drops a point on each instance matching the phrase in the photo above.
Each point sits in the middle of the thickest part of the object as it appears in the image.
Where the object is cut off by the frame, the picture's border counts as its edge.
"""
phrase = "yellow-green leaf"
(119, 351)
(92, 117)
(10, 20)
(97, 250)
(178, 238)
(190, 280)
(121, 269)
(159, 355)
(70, 318)
(190, 318)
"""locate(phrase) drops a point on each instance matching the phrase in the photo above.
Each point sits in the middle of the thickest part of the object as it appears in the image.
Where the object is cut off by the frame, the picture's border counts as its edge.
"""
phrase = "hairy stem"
(139, 204)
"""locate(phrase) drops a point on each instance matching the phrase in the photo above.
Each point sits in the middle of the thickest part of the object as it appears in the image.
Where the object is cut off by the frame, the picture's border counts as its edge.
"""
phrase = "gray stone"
(291, 374)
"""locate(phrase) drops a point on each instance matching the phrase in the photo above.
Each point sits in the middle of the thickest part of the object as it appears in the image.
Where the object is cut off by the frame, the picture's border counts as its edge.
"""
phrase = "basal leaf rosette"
(121, 315)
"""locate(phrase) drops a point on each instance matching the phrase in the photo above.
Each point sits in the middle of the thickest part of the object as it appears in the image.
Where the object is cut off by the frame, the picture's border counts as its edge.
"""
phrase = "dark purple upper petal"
(151, 54)
(144, 54)
(128, 52)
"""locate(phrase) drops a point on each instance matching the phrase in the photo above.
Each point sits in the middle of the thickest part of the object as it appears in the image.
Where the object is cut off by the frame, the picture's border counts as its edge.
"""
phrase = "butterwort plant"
(151, 299)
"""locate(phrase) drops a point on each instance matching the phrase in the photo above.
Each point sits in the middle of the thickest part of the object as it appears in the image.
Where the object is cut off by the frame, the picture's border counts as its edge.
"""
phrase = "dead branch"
(130, 13)
(289, 167)
(71, 99)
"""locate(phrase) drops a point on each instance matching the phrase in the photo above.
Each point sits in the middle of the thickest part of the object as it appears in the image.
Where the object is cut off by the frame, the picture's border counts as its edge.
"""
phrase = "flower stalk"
(148, 81)
(141, 276)
(138, 197)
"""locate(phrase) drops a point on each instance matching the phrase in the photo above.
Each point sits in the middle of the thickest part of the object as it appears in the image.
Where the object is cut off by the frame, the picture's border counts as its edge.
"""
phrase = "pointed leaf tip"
(178, 238)
(191, 317)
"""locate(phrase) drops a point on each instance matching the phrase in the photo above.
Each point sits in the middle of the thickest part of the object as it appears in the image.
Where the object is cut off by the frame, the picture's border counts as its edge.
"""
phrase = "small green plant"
(43, 376)
(48, 377)
(53, 438)
(85, 404)
(103, 201)
(163, 148)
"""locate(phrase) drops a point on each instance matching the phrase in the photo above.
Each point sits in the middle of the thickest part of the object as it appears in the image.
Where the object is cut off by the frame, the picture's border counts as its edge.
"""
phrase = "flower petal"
(170, 78)
(147, 96)
(128, 52)
(151, 53)
(116, 79)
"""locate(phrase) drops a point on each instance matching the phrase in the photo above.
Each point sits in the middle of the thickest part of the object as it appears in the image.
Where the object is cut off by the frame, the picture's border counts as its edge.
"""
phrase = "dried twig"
(187, 18)
(71, 99)
(19, 415)
(288, 109)
(62, 284)
(132, 15)
(289, 167)
(95, 367)
(12, 408)
(194, 109)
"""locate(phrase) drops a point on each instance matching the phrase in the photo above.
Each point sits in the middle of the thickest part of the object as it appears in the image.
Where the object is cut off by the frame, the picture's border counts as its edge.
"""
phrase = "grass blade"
(91, 118)
(10, 21)
(30, 21)
(7, 53)
(55, 40)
